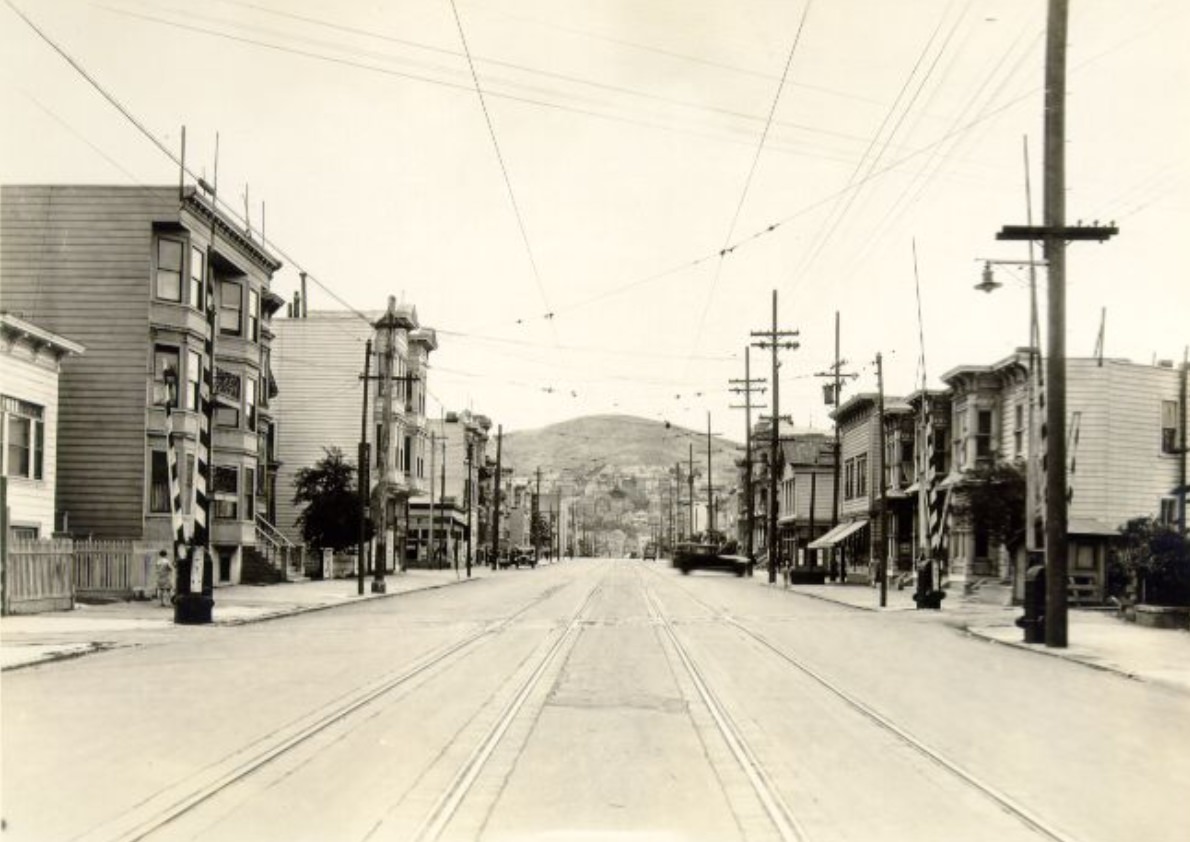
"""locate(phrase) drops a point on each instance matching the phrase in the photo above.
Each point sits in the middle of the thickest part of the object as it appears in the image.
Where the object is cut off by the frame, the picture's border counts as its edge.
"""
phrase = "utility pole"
(776, 340)
(468, 491)
(496, 501)
(881, 533)
(749, 386)
(433, 477)
(1182, 443)
(690, 498)
(364, 472)
(837, 374)
(710, 485)
(447, 529)
(1054, 234)
(535, 519)
(388, 325)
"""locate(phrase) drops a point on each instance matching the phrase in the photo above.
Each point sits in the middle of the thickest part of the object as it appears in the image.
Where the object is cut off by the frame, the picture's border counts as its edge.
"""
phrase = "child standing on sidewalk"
(165, 578)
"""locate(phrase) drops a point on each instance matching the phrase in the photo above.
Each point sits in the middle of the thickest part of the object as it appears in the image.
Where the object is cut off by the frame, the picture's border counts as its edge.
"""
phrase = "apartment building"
(319, 357)
(125, 271)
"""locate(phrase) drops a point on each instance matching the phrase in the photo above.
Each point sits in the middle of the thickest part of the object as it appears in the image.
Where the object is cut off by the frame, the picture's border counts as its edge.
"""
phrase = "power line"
(797, 37)
(503, 167)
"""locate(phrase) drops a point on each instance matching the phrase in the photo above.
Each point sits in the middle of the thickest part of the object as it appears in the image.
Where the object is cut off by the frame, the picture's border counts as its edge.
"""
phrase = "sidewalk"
(1096, 638)
(36, 638)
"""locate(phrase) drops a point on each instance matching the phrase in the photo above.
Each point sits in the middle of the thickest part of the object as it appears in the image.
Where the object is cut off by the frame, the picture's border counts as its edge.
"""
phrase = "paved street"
(592, 699)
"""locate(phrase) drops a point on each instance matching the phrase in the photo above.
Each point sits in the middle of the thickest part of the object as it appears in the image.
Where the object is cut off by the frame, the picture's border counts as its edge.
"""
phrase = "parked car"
(693, 556)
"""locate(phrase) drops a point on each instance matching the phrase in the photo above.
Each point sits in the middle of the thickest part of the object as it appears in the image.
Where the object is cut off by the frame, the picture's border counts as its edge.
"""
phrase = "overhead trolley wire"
(797, 37)
(516, 209)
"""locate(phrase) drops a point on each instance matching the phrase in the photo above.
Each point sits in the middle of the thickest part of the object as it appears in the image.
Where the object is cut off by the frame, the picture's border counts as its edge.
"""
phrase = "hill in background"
(581, 445)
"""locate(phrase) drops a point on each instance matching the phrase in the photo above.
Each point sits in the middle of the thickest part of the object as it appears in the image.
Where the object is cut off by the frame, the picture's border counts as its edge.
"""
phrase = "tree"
(993, 502)
(1152, 561)
(330, 519)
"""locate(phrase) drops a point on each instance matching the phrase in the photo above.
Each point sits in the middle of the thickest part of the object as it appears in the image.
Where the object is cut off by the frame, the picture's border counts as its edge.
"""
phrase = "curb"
(310, 609)
(93, 647)
(973, 632)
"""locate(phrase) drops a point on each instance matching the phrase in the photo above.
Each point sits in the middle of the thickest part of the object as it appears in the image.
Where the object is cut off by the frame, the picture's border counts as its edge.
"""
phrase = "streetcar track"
(1001, 799)
(172, 803)
(450, 800)
(766, 791)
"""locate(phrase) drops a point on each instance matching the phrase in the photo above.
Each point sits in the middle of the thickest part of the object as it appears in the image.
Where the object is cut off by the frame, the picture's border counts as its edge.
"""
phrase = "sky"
(600, 225)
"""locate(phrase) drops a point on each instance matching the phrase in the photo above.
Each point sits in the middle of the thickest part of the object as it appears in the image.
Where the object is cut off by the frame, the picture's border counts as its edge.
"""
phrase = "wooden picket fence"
(108, 570)
(49, 574)
(39, 576)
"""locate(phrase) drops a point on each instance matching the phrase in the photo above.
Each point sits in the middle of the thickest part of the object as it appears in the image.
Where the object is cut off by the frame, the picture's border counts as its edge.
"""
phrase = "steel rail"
(770, 798)
(174, 802)
(452, 797)
(1003, 800)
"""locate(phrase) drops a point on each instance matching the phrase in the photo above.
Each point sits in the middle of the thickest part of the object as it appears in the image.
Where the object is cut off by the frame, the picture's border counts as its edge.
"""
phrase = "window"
(983, 434)
(861, 475)
(405, 465)
(193, 380)
(379, 440)
(228, 386)
(231, 309)
(249, 493)
(158, 483)
(849, 476)
(1018, 435)
(226, 490)
(24, 533)
(250, 402)
(1169, 426)
(169, 269)
(197, 279)
(165, 359)
(1168, 514)
(186, 481)
(22, 433)
(254, 315)
(960, 434)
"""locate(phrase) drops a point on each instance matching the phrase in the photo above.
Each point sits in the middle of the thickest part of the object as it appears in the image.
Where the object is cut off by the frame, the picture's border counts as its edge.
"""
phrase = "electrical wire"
(702, 319)
(516, 209)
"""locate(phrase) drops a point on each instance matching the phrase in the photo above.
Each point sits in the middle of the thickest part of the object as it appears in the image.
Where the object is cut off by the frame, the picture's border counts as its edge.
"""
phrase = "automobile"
(650, 552)
(524, 556)
(700, 556)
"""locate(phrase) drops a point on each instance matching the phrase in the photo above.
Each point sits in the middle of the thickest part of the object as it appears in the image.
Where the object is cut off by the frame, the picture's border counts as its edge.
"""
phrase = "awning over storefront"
(837, 534)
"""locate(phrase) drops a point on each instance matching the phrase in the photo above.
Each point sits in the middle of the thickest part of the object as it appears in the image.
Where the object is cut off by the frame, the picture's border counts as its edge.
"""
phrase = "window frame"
(196, 284)
(183, 244)
(32, 414)
(193, 380)
(1169, 434)
(224, 307)
(158, 487)
(223, 498)
(252, 314)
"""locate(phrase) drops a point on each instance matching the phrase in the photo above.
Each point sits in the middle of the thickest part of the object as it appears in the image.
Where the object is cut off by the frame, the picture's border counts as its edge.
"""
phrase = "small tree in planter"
(1151, 564)
(330, 519)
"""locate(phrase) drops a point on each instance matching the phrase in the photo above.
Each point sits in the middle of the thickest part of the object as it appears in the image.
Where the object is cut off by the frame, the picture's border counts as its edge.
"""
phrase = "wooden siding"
(76, 259)
(317, 362)
(34, 378)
